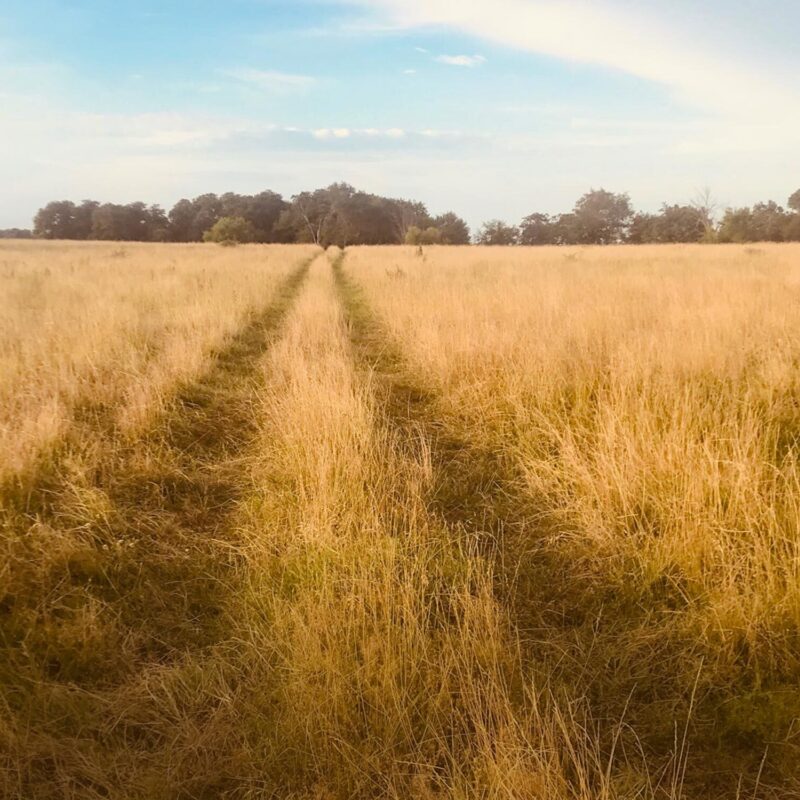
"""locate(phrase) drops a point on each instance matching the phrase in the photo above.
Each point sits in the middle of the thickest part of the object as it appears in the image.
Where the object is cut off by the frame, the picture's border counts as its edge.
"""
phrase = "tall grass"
(89, 326)
(390, 670)
(647, 398)
(118, 550)
(261, 586)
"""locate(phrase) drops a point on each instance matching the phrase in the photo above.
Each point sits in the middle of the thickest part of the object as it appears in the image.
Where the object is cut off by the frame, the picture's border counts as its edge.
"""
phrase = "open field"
(112, 326)
(399, 523)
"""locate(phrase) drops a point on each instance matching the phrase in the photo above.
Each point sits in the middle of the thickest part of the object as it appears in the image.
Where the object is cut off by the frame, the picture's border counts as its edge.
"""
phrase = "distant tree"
(56, 220)
(181, 219)
(413, 235)
(231, 230)
(764, 222)
(262, 210)
(452, 228)
(341, 215)
(337, 214)
(431, 235)
(681, 224)
(189, 219)
(85, 217)
(407, 214)
(643, 229)
(306, 216)
(134, 222)
(792, 229)
(537, 229)
(737, 226)
(16, 233)
(566, 229)
(706, 204)
(208, 210)
(350, 217)
(497, 233)
(370, 219)
(109, 223)
(769, 222)
(61, 219)
(601, 217)
(672, 224)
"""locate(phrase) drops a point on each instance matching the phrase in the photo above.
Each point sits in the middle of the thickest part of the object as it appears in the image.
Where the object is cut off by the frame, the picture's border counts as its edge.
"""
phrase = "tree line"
(16, 233)
(601, 217)
(341, 215)
(337, 215)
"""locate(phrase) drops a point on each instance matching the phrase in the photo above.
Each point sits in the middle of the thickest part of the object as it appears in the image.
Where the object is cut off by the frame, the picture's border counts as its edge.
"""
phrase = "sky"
(489, 108)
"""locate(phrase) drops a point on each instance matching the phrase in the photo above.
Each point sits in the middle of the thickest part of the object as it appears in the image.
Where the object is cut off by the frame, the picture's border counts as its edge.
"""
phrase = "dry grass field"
(389, 523)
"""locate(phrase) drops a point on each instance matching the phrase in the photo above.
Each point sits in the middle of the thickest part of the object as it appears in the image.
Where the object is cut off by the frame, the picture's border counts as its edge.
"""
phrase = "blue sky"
(491, 109)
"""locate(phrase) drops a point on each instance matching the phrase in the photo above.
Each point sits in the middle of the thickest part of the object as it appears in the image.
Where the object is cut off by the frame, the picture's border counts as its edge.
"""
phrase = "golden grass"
(389, 668)
(485, 523)
(113, 326)
(647, 398)
(117, 559)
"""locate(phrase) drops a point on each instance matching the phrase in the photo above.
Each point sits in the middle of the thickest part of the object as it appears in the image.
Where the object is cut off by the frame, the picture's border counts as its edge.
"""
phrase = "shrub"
(230, 230)
(418, 236)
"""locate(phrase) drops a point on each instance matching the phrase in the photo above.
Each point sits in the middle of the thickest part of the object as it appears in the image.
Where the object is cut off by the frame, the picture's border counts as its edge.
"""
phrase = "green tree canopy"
(231, 230)
(764, 222)
(537, 229)
(601, 217)
(497, 233)
(430, 235)
(452, 228)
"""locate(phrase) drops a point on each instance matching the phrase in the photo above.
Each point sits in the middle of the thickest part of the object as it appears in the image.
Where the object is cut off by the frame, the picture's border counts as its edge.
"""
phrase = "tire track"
(473, 488)
(122, 560)
(578, 635)
(551, 603)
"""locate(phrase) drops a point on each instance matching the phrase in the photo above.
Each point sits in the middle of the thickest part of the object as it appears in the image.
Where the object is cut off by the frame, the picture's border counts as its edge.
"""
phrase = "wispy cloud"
(698, 66)
(270, 80)
(461, 61)
(330, 133)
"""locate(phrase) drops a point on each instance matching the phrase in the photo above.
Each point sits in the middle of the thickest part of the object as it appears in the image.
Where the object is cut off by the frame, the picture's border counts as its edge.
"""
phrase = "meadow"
(399, 522)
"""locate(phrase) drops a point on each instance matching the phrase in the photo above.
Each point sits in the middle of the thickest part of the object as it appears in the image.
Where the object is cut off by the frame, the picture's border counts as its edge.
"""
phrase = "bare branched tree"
(705, 202)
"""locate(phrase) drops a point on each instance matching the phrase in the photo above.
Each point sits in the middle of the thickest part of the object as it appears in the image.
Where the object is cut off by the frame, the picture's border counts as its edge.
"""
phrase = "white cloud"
(409, 72)
(270, 80)
(461, 61)
(325, 133)
(697, 67)
(332, 134)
